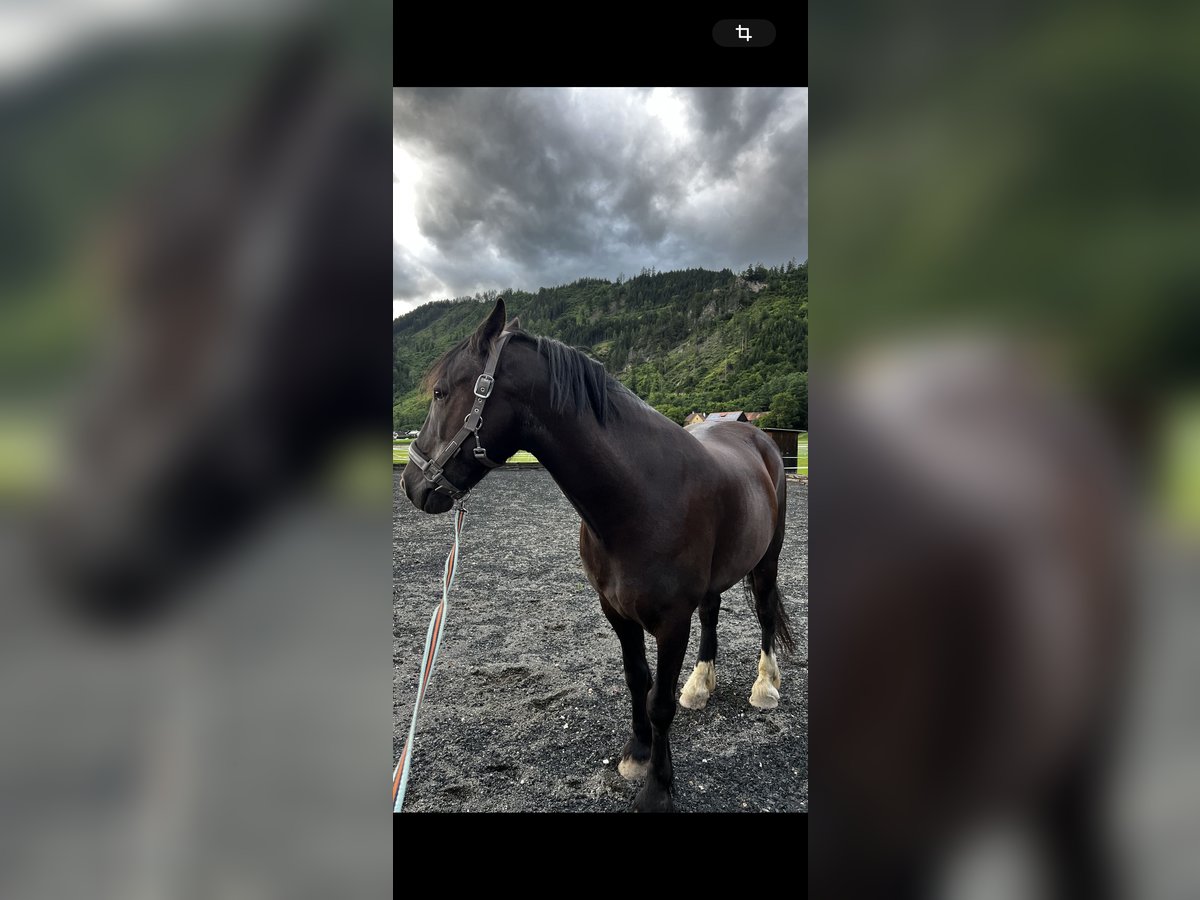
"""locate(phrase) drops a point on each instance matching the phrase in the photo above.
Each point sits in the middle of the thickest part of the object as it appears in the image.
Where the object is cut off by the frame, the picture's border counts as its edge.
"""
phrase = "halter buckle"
(483, 386)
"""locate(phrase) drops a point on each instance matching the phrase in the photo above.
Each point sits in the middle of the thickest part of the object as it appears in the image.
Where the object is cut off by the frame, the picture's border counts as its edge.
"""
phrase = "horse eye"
(439, 394)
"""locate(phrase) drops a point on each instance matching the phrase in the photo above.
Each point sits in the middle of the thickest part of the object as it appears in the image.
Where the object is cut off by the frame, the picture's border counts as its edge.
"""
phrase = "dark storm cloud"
(767, 221)
(729, 119)
(530, 187)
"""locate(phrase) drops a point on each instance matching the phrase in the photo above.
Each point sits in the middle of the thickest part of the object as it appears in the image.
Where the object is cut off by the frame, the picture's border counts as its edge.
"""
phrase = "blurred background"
(1004, 390)
(195, 668)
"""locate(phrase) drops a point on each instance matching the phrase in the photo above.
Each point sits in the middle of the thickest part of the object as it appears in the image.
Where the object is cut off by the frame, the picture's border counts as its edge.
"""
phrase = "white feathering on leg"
(765, 693)
(700, 686)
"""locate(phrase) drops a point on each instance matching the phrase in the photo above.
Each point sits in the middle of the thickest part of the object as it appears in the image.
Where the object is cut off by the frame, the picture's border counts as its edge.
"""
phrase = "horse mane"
(578, 383)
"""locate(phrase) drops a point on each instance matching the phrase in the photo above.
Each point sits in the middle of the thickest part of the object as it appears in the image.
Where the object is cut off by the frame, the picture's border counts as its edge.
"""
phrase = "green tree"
(789, 409)
(681, 340)
(409, 413)
(673, 412)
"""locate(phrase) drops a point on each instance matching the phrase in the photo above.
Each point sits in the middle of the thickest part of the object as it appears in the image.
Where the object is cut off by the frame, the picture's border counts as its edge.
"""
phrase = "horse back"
(740, 450)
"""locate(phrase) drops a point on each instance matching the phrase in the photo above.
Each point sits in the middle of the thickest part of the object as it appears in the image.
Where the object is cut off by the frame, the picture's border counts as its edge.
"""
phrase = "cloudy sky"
(532, 187)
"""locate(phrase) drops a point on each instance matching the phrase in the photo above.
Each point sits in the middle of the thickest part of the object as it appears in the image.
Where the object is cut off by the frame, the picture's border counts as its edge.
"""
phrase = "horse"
(242, 352)
(669, 517)
(974, 603)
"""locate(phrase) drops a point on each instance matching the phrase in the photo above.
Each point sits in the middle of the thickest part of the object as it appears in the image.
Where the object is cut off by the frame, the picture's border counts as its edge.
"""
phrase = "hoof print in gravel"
(550, 699)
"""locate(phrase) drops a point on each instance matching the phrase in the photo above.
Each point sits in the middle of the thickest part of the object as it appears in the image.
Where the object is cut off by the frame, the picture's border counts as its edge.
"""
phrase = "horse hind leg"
(765, 693)
(703, 680)
(768, 604)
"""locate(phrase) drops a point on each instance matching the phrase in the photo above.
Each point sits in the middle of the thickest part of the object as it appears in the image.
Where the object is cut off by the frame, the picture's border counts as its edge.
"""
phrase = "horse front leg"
(635, 756)
(672, 637)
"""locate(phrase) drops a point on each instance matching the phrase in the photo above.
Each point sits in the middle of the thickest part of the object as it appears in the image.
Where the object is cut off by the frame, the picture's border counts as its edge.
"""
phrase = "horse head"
(458, 444)
(240, 349)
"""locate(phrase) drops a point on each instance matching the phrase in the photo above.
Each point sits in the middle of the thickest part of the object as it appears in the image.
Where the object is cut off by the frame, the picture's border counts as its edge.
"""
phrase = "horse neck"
(597, 467)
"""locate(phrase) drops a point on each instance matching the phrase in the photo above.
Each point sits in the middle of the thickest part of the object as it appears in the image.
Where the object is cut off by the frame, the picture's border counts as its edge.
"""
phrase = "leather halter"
(432, 468)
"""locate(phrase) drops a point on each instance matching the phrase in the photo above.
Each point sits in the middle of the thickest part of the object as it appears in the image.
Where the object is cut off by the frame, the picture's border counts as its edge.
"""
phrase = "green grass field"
(1178, 469)
(400, 454)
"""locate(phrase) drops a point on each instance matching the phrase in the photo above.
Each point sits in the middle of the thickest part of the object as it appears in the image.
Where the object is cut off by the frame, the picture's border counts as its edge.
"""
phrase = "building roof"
(733, 416)
(752, 416)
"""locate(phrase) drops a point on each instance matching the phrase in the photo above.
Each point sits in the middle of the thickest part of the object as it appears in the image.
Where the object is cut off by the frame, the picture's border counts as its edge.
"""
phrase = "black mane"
(577, 382)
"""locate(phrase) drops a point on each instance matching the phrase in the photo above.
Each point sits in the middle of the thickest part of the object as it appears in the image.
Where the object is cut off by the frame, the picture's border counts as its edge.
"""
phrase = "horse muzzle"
(422, 494)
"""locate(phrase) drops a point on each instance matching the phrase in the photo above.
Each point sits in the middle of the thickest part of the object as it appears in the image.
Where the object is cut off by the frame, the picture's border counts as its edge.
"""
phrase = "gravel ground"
(528, 709)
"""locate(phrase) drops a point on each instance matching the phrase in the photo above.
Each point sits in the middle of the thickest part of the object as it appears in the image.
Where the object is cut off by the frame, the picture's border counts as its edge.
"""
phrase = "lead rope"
(433, 641)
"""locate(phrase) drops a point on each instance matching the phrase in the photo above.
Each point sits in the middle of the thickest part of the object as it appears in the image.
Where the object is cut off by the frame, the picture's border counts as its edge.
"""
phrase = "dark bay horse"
(670, 517)
(242, 353)
(975, 603)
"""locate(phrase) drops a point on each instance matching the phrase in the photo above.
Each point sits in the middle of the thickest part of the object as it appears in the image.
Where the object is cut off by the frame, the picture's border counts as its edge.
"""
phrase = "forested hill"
(683, 341)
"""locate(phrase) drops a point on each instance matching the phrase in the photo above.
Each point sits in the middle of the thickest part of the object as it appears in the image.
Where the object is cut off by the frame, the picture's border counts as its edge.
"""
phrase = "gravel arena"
(528, 709)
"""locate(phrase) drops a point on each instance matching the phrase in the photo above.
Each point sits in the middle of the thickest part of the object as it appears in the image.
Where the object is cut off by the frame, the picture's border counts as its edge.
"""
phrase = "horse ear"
(491, 327)
(514, 324)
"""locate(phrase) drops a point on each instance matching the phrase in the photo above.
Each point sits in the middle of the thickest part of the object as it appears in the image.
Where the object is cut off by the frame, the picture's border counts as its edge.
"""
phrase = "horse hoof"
(653, 801)
(699, 687)
(632, 769)
(768, 669)
(764, 695)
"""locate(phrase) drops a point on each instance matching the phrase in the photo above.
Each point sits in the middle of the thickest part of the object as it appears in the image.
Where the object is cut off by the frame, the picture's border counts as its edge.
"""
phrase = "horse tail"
(784, 638)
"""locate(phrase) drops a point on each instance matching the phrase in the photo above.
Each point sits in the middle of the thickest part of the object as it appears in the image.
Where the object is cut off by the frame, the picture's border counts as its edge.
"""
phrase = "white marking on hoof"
(699, 686)
(765, 693)
(631, 769)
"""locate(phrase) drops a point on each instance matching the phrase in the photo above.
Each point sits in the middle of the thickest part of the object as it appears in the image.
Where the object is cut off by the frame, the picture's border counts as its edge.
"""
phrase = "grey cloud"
(730, 119)
(410, 279)
(530, 187)
(403, 282)
(773, 225)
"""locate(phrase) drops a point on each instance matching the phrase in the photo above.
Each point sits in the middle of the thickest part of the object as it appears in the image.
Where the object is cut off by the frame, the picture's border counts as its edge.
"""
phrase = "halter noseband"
(432, 468)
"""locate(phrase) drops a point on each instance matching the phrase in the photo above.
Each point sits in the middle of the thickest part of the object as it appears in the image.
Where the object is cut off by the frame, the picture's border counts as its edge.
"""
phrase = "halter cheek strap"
(432, 469)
